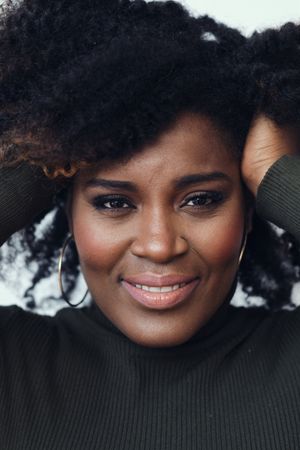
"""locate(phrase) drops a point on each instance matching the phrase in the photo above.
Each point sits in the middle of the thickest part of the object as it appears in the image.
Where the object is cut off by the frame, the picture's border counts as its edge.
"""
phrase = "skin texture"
(161, 230)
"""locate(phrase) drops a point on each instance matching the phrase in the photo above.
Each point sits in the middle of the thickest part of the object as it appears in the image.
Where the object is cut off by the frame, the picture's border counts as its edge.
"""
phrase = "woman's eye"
(205, 199)
(117, 204)
(111, 203)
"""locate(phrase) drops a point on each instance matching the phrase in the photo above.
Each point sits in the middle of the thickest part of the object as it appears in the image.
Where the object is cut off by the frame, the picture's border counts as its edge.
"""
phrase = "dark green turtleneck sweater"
(74, 381)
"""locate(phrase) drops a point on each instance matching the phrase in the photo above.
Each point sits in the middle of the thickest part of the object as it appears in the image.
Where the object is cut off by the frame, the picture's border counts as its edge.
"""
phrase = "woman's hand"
(265, 144)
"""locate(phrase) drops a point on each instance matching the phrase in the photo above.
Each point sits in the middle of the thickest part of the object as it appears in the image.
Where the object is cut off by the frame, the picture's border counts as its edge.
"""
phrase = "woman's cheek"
(99, 244)
(219, 242)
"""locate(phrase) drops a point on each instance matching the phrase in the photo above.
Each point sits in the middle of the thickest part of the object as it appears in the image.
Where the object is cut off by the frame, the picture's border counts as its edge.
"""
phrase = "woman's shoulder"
(13, 314)
(286, 319)
(274, 333)
(32, 329)
(30, 339)
(18, 326)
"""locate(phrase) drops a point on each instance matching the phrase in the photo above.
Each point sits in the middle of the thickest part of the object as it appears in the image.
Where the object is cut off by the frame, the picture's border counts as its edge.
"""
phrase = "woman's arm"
(271, 169)
(24, 192)
(278, 195)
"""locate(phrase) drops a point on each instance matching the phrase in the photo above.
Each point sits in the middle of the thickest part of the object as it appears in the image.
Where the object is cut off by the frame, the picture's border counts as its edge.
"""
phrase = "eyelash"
(99, 201)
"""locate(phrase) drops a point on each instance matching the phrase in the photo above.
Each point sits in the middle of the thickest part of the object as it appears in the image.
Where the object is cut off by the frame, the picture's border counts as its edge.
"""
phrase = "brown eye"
(111, 203)
(205, 199)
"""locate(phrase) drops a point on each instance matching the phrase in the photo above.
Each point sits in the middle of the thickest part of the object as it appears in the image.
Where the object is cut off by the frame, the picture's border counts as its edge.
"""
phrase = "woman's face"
(176, 208)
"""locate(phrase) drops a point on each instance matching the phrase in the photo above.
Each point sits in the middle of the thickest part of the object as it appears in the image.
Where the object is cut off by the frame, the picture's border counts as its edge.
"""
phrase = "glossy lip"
(161, 300)
(148, 279)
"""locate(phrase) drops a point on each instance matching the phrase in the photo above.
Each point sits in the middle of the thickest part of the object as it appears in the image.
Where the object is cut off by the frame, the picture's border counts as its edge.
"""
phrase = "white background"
(245, 15)
(248, 15)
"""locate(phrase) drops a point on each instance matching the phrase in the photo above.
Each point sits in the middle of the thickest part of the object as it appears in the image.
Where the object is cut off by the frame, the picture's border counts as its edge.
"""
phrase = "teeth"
(160, 289)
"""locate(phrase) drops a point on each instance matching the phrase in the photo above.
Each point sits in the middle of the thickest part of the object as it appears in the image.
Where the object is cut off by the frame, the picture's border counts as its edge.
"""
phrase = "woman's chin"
(163, 335)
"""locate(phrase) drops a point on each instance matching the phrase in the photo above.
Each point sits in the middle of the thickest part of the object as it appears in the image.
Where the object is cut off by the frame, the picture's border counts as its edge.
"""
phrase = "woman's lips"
(151, 279)
(160, 300)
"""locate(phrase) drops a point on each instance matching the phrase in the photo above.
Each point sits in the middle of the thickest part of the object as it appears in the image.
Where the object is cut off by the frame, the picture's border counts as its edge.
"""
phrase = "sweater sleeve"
(278, 195)
(24, 192)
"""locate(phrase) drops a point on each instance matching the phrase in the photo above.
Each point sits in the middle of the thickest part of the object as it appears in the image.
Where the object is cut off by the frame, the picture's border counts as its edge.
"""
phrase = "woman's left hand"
(266, 143)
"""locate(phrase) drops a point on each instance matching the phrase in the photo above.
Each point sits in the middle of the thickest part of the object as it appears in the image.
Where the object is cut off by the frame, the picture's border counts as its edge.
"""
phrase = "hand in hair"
(265, 144)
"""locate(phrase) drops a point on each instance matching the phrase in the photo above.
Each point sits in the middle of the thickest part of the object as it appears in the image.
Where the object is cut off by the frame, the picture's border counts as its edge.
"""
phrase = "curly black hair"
(83, 81)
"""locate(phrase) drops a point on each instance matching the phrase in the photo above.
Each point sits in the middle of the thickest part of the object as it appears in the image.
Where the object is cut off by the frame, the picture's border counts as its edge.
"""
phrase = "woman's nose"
(159, 237)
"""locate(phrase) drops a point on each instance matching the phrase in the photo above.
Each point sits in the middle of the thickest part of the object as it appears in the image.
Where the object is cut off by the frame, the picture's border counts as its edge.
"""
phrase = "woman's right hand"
(265, 144)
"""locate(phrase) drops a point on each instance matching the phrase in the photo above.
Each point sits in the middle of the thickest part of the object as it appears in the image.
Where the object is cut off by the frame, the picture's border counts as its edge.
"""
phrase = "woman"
(144, 121)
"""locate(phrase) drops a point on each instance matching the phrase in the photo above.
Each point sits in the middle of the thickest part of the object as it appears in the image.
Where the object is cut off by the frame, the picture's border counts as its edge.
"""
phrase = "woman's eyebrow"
(179, 183)
(194, 178)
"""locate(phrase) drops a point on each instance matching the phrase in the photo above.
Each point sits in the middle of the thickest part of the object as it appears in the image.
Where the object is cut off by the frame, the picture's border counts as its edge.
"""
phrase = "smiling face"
(167, 218)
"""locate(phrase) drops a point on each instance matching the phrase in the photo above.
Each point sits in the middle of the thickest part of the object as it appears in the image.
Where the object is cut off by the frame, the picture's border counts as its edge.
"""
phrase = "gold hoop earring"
(245, 236)
(68, 239)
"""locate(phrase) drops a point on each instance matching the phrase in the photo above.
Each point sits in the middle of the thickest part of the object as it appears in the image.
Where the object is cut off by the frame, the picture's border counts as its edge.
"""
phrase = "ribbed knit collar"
(210, 335)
